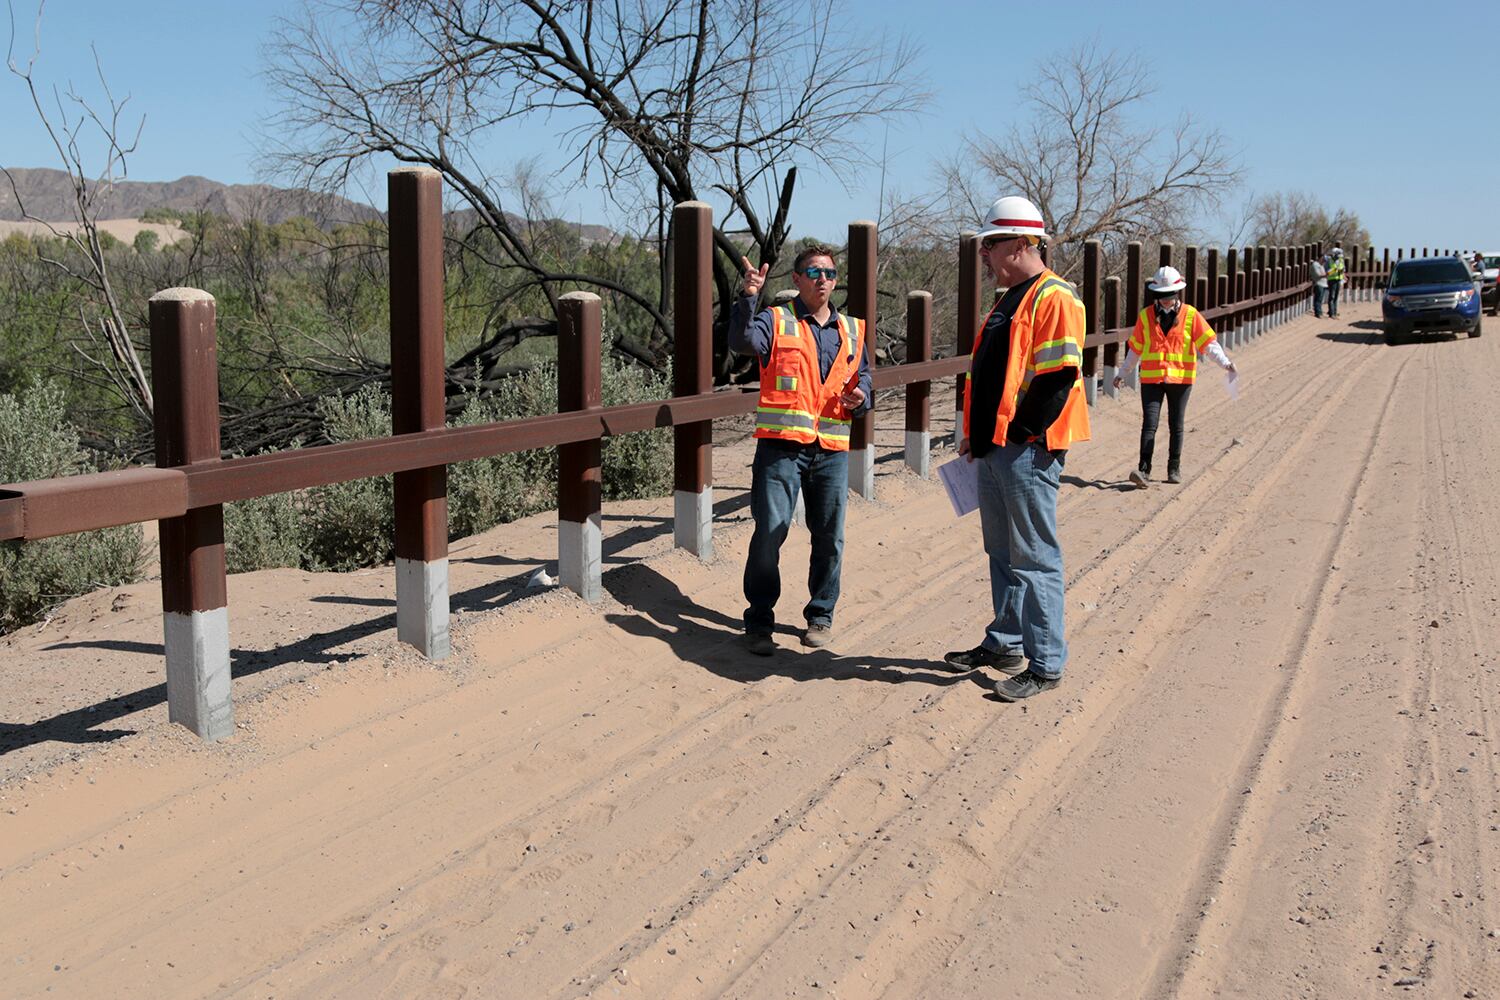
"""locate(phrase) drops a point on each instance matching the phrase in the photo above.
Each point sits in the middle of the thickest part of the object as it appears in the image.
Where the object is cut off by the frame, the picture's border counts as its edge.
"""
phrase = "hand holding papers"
(961, 481)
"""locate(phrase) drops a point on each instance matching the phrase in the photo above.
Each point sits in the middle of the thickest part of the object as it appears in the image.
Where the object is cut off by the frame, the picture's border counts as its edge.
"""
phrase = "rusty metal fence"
(1242, 293)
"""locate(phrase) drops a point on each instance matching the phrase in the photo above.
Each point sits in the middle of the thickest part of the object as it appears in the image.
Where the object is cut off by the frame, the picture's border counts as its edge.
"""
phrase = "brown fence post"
(1133, 286)
(1241, 293)
(1190, 275)
(968, 321)
(861, 303)
(1213, 279)
(1232, 290)
(1111, 322)
(1090, 318)
(194, 593)
(415, 199)
(692, 374)
(1164, 255)
(918, 394)
(579, 528)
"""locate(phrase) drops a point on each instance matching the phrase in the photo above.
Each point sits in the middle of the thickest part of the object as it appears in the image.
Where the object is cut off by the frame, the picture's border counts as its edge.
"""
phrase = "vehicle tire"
(1392, 334)
(1474, 330)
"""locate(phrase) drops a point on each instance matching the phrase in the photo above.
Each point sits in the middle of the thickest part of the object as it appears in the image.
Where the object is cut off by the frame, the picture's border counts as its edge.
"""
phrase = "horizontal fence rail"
(1242, 292)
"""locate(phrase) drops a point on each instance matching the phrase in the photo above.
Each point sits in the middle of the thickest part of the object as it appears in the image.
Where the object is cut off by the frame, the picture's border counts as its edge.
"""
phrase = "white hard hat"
(1013, 216)
(1167, 279)
(1337, 252)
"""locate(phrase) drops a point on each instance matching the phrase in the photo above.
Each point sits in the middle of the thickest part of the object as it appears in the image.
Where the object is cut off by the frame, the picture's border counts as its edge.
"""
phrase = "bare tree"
(69, 127)
(1291, 218)
(659, 101)
(1093, 166)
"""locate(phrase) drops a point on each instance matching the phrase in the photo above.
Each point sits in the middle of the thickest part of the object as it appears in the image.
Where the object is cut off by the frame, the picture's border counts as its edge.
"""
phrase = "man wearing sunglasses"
(1023, 409)
(814, 380)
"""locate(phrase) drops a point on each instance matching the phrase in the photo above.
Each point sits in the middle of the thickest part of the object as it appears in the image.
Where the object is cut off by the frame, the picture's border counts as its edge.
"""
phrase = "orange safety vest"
(796, 402)
(1046, 335)
(1170, 356)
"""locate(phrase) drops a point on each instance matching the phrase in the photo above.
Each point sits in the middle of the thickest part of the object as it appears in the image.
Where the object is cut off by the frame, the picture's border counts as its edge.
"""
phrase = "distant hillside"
(48, 194)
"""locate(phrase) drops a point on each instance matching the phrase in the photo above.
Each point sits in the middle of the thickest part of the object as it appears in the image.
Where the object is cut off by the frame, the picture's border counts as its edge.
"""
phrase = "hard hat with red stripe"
(1167, 279)
(1013, 216)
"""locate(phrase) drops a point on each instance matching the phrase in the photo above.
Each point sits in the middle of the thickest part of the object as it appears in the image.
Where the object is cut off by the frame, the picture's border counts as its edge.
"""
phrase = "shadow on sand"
(658, 609)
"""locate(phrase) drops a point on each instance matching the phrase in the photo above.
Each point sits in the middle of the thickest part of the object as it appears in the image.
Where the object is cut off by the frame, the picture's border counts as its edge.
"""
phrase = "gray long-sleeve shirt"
(752, 332)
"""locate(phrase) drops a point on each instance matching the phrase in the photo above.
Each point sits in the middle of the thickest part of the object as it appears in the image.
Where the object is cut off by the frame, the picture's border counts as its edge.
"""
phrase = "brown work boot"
(817, 636)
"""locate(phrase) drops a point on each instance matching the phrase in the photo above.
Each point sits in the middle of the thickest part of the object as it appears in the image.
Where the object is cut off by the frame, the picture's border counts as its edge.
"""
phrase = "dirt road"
(1271, 771)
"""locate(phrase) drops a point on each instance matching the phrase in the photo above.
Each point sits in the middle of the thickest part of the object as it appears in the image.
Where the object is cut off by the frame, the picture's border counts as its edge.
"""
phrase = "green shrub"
(346, 526)
(263, 533)
(351, 525)
(36, 442)
(636, 465)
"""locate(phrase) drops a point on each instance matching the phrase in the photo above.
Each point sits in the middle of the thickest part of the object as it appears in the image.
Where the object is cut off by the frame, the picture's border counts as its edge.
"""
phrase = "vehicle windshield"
(1428, 272)
(1492, 261)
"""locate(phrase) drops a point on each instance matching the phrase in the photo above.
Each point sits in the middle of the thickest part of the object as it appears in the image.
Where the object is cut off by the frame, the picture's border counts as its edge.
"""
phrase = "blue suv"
(1429, 295)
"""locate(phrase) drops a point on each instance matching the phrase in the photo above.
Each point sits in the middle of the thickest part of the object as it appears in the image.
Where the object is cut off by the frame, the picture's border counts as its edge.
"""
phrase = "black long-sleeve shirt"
(1044, 399)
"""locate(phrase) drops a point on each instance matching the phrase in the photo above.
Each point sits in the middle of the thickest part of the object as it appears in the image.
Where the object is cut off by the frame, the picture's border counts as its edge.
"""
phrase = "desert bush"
(347, 526)
(36, 442)
(263, 533)
(350, 525)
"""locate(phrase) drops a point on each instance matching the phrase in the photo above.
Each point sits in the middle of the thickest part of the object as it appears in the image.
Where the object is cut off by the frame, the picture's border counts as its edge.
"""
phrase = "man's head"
(1010, 240)
(814, 274)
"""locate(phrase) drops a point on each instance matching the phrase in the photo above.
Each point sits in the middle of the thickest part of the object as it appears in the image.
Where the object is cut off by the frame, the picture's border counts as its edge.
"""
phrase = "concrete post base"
(918, 451)
(1110, 371)
(198, 694)
(580, 557)
(1090, 389)
(422, 606)
(799, 510)
(693, 522)
(862, 472)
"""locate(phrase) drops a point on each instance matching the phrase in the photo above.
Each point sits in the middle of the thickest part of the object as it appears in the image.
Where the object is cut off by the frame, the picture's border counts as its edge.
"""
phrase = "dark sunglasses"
(990, 242)
(814, 273)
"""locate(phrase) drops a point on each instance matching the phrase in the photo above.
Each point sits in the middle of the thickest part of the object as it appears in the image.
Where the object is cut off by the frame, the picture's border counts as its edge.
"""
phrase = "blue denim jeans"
(780, 470)
(1333, 297)
(1319, 294)
(1018, 515)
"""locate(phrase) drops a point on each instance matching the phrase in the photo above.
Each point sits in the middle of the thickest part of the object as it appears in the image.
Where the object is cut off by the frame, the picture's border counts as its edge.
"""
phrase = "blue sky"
(1363, 106)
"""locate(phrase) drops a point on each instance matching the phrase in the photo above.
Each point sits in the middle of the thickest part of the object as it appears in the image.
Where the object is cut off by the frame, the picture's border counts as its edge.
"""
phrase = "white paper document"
(1232, 380)
(961, 479)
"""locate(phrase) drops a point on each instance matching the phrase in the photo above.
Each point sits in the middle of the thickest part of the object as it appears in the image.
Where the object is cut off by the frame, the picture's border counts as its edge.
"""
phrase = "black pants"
(1151, 397)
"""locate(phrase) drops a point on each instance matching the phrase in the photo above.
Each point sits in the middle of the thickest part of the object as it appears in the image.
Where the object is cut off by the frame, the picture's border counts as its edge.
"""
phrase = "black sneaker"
(1024, 686)
(1140, 478)
(962, 660)
(760, 643)
(1174, 475)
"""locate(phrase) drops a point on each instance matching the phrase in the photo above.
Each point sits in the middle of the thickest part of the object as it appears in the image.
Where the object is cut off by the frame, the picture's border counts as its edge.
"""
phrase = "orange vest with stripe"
(1046, 335)
(1170, 356)
(796, 402)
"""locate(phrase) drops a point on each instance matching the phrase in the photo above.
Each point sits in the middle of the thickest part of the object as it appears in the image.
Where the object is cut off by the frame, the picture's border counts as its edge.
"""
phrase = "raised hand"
(754, 279)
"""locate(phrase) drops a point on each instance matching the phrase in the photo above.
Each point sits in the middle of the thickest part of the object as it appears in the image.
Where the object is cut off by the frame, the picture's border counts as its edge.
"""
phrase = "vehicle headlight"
(1464, 297)
(1394, 300)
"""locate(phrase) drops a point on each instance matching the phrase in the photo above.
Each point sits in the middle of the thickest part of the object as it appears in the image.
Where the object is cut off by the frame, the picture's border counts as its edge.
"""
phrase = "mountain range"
(47, 194)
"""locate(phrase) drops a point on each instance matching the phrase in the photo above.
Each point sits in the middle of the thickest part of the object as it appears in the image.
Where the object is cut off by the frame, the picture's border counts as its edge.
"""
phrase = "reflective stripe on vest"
(803, 408)
(1165, 358)
(1059, 346)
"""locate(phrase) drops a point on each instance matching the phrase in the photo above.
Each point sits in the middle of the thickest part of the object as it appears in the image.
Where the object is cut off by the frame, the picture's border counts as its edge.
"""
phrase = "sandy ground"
(124, 230)
(1271, 771)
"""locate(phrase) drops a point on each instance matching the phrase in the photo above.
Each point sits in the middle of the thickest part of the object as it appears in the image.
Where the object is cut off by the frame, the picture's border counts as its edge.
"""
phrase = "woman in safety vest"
(1169, 336)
